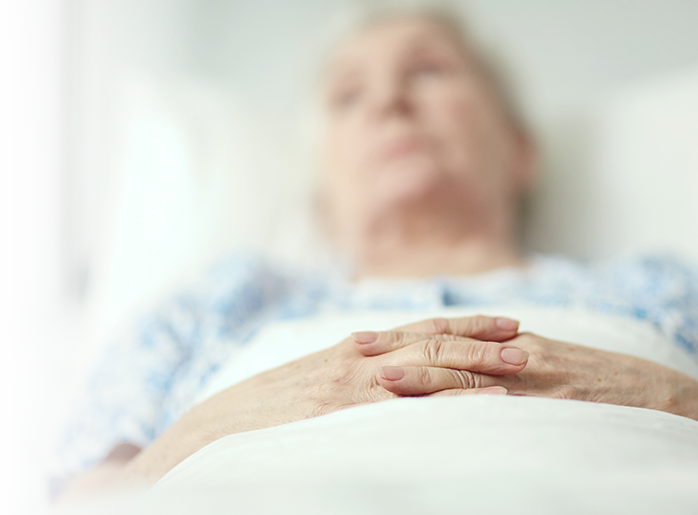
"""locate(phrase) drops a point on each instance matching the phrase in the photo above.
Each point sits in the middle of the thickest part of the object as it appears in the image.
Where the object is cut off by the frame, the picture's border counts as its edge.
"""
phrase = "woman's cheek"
(453, 126)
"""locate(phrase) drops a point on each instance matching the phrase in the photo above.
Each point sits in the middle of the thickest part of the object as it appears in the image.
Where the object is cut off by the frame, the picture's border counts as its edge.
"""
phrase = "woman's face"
(411, 123)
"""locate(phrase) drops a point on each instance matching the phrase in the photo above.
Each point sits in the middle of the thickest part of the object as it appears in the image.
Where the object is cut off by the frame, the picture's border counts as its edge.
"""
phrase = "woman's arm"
(153, 367)
(101, 476)
(569, 371)
(320, 383)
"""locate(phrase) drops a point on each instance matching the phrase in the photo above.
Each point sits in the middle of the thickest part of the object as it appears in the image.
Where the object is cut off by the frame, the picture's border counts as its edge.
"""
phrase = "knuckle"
(477, 380)
(530, 342)
(466, 379)
(479, 324)
(391, 340)
(432, 350)
(389, 335)
(385, 340)
(440, 325)
(477, 352)
(346, 376)
(398, 339)
(342, 379)
(424, 377)
(373, 391)
(529, 338)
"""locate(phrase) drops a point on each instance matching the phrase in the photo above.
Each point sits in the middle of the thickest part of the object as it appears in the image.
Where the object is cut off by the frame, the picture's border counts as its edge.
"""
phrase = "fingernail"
(393, 373)
(493, 390)
(506, 324)
(365, 336)
(514, 356)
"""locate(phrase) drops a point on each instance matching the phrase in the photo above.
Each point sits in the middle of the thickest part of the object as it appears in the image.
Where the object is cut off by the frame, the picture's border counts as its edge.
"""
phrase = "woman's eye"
(427, 69)
(345, 99)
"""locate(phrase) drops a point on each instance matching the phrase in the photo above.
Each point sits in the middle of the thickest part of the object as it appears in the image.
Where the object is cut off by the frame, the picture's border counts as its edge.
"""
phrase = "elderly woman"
(423, 166)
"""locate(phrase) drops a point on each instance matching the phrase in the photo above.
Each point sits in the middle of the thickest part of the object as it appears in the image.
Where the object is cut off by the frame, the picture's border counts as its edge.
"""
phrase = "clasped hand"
(463, 353)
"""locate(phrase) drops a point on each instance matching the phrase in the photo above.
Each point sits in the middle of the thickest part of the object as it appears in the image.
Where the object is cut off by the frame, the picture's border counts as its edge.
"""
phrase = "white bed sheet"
(472, 454)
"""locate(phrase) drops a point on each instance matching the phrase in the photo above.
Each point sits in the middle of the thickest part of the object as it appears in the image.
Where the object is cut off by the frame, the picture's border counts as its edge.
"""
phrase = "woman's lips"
(400, 148)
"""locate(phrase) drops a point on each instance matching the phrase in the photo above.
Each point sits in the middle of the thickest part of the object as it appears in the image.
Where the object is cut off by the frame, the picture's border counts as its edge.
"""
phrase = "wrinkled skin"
(564, 371)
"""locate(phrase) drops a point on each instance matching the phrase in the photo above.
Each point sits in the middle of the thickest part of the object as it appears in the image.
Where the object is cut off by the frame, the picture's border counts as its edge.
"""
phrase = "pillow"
(197, 176)
(623, 178)
(184, 189)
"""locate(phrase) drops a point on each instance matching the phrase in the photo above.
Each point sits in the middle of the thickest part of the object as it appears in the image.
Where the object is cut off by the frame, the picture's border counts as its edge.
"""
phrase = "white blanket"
(471, 454)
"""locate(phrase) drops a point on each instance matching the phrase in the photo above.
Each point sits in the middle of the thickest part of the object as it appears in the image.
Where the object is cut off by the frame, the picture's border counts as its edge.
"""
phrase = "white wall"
(575, 51)
(31, 273)
(250, 46)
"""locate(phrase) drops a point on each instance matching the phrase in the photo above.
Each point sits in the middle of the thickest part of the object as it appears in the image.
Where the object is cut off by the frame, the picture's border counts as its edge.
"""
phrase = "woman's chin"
(407, 186)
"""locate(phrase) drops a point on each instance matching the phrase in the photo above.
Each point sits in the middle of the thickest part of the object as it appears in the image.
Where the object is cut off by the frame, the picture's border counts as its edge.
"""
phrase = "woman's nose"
(391, 98)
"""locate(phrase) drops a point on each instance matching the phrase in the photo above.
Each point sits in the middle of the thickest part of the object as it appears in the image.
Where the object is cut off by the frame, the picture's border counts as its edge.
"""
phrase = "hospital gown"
(152, 373)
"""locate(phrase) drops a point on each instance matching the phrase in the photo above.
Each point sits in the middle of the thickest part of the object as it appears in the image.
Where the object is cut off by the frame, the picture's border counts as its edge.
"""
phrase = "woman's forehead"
(393, 38)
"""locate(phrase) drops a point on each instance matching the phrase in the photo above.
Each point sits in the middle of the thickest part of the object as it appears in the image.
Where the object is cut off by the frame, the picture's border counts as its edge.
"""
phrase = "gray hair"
(495, 67)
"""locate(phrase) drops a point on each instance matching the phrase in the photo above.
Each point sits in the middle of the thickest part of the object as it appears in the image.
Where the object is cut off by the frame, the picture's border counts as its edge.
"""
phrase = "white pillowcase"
(623, 177)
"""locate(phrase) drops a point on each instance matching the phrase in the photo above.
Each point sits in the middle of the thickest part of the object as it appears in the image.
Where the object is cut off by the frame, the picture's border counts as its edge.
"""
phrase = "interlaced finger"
(479, 327)
(373, 344)
(461, 354)
(427, 380)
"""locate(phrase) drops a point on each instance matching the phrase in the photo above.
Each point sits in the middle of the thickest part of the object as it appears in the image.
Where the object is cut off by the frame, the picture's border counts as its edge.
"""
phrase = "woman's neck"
(431, 256)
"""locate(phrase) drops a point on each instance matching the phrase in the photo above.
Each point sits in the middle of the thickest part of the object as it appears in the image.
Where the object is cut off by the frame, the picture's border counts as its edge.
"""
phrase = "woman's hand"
(339, 377)
(568, 371)
(438, 339)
